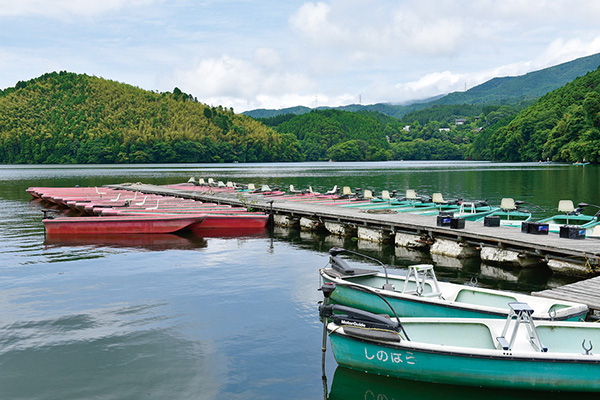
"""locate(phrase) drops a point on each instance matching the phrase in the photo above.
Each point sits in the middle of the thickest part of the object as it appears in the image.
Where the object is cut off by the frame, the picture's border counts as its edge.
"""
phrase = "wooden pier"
(582, 257)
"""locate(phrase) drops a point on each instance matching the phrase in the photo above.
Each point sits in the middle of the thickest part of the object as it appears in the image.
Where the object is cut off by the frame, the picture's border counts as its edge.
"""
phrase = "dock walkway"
(584, 252)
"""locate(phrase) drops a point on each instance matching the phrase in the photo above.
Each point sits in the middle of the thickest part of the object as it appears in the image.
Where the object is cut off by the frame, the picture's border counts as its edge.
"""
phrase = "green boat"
(517, 353)
(417, 293)
(570, 216)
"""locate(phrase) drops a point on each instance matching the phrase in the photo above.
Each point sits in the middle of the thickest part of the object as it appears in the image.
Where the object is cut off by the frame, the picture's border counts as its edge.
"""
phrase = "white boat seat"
(507, 204)
(265, 188)
(221, 184)
(229, 184)
(332, 191)
(437, 198)
(368, 194)
(411, 194)
(346, 190)
(566, 206)
(251, 186)
(293, 190)
(201, 181)
(385, 195)
(191, 180)
(211, 181)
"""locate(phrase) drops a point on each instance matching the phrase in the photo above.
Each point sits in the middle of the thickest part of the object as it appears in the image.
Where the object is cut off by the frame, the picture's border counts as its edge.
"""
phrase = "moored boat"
(419, 294)
(121, 224)
(517, 353)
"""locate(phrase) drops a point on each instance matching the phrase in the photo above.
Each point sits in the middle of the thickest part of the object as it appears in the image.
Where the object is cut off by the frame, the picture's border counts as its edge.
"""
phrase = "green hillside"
(371, 136)
(563, 125)
(65, 118)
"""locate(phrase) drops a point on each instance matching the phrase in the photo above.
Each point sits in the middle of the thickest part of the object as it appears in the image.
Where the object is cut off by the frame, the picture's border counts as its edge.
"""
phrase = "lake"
(189, 317)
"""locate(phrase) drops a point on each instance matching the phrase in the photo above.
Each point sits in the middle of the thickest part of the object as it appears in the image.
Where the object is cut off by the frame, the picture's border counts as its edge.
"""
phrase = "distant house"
(406, 128)
(460, 121)
(444, 129)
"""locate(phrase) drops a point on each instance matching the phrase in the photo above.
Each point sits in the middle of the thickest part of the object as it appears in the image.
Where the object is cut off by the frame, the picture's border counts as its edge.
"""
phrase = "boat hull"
(479, 365)
(120, 224)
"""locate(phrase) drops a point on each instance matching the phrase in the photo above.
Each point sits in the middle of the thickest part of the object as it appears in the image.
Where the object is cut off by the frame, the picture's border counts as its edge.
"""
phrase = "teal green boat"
(571, 216)
(517, 353)
(417, 293)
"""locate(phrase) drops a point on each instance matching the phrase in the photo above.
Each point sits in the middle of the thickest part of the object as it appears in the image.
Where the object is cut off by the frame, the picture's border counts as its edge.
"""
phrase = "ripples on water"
(186, 317)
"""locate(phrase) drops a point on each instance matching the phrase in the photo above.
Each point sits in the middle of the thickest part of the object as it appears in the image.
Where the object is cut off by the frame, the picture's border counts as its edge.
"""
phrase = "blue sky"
(282, 53)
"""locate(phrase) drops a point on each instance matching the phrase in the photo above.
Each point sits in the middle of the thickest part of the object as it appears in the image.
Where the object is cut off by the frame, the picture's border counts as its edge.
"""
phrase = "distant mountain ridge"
(510, 90)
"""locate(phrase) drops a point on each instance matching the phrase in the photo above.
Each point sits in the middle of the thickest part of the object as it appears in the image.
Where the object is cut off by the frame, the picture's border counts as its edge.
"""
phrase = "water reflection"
(356, 385)
(151, 242)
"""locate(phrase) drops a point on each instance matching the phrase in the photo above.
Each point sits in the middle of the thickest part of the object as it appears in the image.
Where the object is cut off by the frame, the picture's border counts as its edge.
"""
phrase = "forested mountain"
(68, 118)
(563, 125)
(516, 91)
(371, 136)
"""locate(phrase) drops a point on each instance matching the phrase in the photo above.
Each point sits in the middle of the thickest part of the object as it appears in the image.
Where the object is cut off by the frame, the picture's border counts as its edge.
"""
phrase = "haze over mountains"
(514, 90)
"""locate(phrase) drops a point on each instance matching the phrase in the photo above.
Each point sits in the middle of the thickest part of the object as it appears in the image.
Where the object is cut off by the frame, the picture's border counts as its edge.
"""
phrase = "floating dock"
(493, 244)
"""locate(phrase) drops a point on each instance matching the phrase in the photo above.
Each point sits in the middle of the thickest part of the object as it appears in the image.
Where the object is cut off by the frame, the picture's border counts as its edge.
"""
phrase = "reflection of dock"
(563, 256)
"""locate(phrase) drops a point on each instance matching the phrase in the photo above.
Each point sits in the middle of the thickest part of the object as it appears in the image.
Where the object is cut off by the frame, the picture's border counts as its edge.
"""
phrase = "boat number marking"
(395, 358)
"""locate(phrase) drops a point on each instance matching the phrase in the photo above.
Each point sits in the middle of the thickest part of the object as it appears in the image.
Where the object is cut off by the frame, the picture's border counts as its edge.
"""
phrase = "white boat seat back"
(507, 204)
(411, 194)
(211, 181)
(437, 198)
(220, 184)
(201, 181)
(192, 180)
(251, 186)
(385, 195)
(368, 194)
(332, 191)
(229, 184)
(346, 190)
(265, 188)
(566, 206)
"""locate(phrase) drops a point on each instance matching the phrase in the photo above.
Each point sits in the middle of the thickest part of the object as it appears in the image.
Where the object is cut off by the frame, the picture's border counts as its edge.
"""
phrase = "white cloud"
(227, 80)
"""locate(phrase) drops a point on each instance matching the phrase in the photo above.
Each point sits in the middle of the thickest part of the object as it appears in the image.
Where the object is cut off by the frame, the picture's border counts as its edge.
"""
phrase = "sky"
(283, 53)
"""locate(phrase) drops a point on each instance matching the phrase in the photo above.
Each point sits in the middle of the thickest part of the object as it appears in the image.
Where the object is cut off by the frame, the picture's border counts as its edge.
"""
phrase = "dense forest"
(563, 125)
(65, 118)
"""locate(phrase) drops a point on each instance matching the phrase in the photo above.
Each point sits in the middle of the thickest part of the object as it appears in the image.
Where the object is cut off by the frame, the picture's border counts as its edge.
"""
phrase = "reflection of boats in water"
(160, 241)
(349, 384)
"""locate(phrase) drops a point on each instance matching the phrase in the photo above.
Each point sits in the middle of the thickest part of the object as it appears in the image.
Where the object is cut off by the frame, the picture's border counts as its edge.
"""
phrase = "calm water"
(188, 317)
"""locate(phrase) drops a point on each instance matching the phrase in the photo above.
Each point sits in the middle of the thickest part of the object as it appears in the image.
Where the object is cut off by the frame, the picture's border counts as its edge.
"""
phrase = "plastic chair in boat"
(251, 187)
(294, 191)
(221, 184)
(192, 180)
(567, 207)
(346, 191)
(385, 195)
(201, 181)
(211, 182)
(230, 185)
(332, 191)
(507, 204)
(367, 194)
